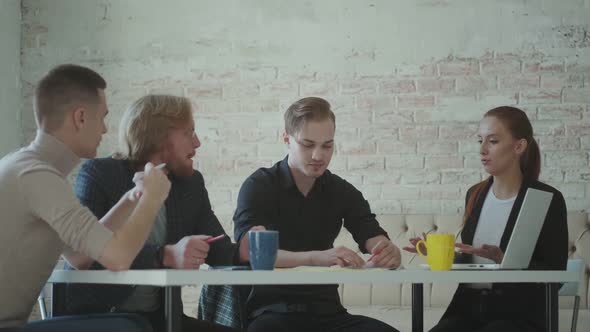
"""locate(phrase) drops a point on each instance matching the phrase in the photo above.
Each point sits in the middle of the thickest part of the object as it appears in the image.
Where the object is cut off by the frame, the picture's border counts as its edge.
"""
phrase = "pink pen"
(373, 255)
(213, 239)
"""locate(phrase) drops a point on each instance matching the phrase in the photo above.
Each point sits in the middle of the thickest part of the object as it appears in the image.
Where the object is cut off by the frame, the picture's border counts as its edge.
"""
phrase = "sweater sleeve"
(50, 198)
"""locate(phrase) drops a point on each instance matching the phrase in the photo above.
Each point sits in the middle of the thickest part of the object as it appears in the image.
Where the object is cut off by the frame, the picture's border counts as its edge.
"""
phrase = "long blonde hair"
(145, 124)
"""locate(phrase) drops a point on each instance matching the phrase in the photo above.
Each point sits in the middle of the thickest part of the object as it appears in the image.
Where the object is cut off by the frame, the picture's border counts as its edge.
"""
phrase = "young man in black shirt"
(308, 205)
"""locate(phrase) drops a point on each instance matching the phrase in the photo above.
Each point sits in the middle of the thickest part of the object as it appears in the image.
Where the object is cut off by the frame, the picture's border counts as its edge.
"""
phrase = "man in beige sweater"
(41, 215)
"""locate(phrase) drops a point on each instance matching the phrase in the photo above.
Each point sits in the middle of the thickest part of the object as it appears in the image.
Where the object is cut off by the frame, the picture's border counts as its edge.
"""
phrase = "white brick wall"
(10, 32)
(409, 81)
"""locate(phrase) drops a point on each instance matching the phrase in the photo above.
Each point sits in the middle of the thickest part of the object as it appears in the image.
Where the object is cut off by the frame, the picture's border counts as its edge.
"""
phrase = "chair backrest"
(58, 300)
(41, 303)
(572, 288)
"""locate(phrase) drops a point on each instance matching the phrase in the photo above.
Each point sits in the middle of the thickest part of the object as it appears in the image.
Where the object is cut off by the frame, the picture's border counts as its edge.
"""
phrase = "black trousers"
(308, 322)
(89, 323)
(482, 311)
(469, 324)
(189, 324)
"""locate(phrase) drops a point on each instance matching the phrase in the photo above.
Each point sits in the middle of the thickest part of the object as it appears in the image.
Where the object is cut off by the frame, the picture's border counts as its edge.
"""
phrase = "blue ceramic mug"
(263, 249)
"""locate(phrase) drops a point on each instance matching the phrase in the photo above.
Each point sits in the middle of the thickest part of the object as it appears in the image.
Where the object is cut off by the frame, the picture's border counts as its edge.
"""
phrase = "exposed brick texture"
(408, 81)
(403, 115)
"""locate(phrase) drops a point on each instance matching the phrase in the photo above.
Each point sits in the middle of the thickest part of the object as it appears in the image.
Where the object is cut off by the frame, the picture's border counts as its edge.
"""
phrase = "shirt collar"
(55, 152)
(286, 177)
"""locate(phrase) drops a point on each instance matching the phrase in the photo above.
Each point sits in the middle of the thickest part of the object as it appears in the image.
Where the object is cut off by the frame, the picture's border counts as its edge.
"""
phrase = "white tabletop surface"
(303, 275)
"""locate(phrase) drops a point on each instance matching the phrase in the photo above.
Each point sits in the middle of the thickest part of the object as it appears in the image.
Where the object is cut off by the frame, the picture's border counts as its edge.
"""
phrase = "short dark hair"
(307, 109)
(64, 87)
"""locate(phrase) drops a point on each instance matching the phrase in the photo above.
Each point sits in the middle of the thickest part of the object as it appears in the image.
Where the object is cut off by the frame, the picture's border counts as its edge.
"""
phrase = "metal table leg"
(172, 314)
(417, 308)
(551, 314)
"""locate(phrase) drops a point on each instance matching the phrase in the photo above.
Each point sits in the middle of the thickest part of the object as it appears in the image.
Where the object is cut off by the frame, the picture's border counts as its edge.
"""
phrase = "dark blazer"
(521, 301)
(100, 185)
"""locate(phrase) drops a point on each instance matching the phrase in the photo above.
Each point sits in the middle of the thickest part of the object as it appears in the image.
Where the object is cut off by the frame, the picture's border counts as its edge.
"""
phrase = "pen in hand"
(373, 255)
(369, 263)
(214, 239)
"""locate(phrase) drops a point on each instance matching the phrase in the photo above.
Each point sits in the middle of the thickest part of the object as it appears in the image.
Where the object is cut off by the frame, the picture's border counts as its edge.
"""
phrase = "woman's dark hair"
(519, 126)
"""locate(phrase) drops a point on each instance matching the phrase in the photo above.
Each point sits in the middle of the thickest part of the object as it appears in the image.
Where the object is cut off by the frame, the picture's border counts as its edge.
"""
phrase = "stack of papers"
(334, 268)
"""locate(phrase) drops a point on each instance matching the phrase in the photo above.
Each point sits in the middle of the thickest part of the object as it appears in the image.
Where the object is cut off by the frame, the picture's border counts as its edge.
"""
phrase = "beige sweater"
(40, 215)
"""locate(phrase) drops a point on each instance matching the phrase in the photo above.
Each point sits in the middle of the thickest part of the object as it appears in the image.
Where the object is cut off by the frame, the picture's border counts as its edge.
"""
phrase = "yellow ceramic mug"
(440, 249)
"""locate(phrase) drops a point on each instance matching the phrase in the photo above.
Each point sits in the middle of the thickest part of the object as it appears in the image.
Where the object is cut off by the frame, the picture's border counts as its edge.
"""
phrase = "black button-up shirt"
(270, 198)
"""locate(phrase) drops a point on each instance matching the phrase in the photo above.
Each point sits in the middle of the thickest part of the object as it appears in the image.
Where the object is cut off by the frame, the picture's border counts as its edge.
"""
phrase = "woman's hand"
(413, 242)
(488, 251)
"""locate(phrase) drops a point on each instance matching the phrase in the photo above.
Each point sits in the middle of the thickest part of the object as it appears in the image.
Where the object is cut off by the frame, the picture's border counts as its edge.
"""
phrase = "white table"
(172, 280)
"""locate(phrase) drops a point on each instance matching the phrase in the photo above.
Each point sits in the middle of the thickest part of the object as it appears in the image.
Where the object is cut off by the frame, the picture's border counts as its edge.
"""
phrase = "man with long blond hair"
(159, 129)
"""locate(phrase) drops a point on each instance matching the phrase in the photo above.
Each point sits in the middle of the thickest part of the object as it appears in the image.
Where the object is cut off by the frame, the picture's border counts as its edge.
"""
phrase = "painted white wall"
(325, 34)
(10, 92)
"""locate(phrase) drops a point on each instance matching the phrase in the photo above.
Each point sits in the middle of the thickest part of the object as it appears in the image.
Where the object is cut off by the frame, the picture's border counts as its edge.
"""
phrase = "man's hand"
(134, 194)
(386, 254)
(493, 253)
(341, 256)
(155, 184)
(189, 253)
(245, 244)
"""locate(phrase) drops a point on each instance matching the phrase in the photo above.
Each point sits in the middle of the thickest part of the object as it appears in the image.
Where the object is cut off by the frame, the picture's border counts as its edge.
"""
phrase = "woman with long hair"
(511, 156)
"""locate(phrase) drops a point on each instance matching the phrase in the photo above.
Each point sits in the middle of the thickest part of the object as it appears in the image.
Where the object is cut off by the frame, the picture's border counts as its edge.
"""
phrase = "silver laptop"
(524, 235)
